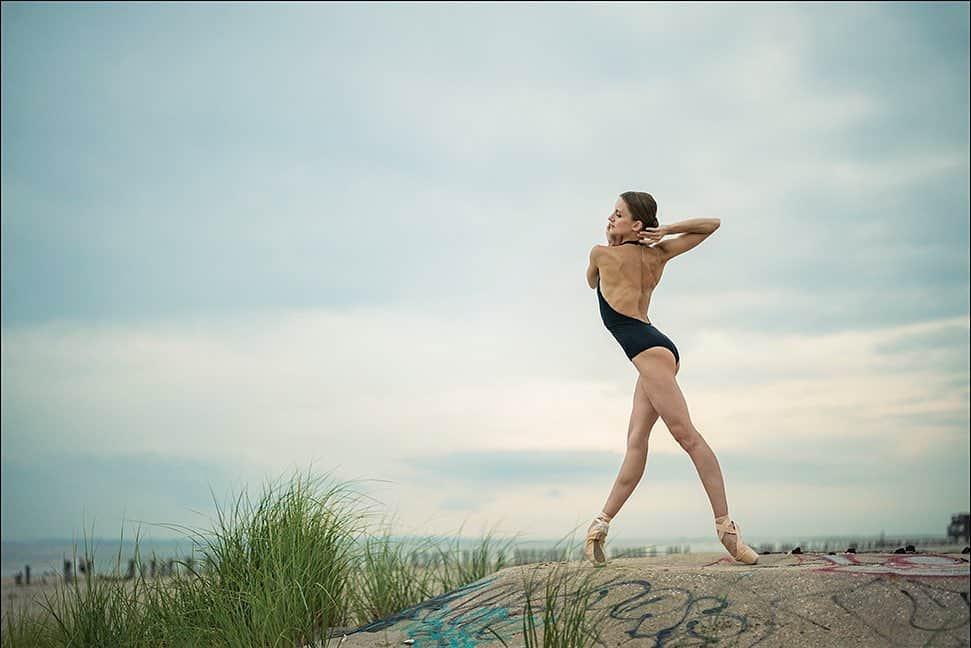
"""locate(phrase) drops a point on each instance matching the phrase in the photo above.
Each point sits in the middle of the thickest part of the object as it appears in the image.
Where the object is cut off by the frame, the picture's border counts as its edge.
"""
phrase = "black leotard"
(634, 335)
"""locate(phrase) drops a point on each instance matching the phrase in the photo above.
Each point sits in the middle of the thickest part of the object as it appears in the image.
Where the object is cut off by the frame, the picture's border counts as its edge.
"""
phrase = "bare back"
(628, 276)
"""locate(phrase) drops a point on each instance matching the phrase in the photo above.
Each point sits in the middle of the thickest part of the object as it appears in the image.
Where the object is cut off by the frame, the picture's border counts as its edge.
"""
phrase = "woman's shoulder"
(600, 249)
(597, 249)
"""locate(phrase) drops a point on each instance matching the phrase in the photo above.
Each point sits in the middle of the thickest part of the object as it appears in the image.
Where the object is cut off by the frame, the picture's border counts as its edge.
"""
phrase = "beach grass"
(567, 597)
(289, 569)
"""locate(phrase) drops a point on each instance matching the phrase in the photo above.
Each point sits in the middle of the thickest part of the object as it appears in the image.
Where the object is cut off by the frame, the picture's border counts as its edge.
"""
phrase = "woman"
(625, 274)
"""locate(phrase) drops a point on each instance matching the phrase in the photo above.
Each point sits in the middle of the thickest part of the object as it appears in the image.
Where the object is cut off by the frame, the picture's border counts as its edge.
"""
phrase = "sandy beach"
(32, 597)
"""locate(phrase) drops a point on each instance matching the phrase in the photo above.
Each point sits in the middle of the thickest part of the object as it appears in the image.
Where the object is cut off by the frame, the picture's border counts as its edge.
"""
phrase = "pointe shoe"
(742, 553)
(594, 546)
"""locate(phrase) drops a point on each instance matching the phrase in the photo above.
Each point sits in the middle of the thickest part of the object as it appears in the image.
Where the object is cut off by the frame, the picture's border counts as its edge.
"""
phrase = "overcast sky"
(243, 240)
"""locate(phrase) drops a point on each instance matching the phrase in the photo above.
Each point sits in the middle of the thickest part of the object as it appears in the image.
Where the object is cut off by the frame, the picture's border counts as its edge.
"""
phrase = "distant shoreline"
(45, 556)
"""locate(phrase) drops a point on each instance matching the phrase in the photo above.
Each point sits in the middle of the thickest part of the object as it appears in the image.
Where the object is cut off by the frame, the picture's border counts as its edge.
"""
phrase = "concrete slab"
(792, 600)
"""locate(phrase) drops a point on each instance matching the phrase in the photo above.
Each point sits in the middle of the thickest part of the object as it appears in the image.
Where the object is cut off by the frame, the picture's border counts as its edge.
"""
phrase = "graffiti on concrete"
(922, 609)
(468, 616)
(912, 565)
(437, 603)
(492, 608)
(909, 565)
(908, 598)
(662, 613)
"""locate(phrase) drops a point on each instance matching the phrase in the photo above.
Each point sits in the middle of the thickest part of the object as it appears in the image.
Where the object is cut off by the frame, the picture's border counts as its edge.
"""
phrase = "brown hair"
(642, 207)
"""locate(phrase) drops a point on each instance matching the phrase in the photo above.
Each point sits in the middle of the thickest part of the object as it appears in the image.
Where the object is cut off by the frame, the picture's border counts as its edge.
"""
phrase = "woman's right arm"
(693, 226)
(692, 232)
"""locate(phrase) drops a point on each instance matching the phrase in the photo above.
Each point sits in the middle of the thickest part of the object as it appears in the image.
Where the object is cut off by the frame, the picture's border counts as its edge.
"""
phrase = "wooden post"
(27, 573)
(68, 576)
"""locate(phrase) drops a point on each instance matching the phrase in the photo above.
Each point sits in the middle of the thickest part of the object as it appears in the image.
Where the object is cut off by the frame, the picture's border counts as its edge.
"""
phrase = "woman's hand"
(653, 234)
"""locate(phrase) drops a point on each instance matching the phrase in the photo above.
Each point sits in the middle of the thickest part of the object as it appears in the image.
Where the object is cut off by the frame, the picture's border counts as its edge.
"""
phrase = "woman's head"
(631, 208)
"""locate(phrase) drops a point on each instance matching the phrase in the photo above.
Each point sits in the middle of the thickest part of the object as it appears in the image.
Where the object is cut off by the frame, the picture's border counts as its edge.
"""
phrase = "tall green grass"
(561, 598)
(88, 611)
(285, 570)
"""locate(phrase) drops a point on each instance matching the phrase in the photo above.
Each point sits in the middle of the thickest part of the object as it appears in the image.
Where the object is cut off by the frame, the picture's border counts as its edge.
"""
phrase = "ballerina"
(625, 274)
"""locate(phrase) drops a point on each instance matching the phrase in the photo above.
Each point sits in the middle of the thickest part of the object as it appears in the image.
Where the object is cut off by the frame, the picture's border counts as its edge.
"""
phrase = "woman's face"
(620, 222)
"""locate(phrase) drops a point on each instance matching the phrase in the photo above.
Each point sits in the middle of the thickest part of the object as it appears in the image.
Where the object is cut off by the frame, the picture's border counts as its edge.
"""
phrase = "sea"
(110, 556)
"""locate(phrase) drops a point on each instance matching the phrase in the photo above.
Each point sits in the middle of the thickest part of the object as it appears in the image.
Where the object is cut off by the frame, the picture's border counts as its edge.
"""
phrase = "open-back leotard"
(633, 334)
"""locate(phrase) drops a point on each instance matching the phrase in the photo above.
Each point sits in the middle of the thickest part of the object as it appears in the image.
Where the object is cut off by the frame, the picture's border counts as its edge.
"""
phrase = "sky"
(244, 241)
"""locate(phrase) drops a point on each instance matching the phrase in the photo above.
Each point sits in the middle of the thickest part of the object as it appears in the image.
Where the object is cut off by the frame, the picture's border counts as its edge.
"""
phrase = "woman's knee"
(685, 433)
(637, 445)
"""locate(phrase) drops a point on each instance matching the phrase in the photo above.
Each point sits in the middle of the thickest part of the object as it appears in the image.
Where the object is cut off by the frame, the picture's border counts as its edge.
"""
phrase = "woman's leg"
(643, 416)
(657, 367)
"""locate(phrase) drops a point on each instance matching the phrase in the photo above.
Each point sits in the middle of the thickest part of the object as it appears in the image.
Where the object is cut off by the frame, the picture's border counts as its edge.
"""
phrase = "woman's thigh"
(657, 369)
(643, 416)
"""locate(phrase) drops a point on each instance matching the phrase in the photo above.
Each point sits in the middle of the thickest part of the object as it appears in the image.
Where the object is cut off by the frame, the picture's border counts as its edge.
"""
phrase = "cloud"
(275, 387)
(107, 495)
(351, 249)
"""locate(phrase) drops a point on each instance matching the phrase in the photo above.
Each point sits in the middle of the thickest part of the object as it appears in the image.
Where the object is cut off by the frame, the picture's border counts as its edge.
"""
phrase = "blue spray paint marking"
(436, 603)
(446, 629)
(465, 625)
